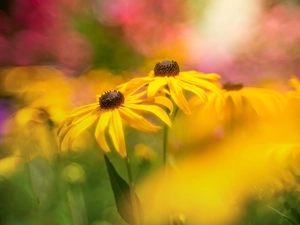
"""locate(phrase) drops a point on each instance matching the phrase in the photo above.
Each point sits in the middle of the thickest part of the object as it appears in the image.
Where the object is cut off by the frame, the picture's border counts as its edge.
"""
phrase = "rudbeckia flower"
(110, 109)
(240, 100)
(167, 77)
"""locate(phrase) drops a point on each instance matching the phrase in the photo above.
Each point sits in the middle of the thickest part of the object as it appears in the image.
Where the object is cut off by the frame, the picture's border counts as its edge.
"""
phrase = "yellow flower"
(166, 76)
(244, 101)
(109, 110)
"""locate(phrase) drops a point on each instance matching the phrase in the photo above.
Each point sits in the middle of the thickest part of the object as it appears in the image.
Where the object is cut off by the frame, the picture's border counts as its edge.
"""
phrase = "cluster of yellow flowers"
(130, 98)
(164, 86)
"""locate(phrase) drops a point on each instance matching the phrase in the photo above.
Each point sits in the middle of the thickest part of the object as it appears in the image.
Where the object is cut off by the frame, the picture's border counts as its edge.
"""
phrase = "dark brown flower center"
(232, 86)
(111, 99)
(166, 68)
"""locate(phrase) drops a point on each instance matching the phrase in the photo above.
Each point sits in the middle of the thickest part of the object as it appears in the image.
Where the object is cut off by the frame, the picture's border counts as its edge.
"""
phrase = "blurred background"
(56, 55)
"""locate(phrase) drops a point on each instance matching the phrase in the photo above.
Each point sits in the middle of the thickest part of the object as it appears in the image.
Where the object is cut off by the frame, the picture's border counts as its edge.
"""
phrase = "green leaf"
(121, 191)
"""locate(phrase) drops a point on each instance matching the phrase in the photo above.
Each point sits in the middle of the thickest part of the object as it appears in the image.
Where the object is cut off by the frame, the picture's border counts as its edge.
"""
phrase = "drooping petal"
(200, 83)
(116, 133)
(177, 96)
(137, 121)
(161, 100)
(65, 123)
(83, 109)
(77, 119)
(155, 85)
(154, 109)
(133, 85)
(205, 76)
(194, 102)
(136, 97)
(100, 130)
(218, 102)
(264, 101)
(192, 88)
(237, 101)
(74, 130)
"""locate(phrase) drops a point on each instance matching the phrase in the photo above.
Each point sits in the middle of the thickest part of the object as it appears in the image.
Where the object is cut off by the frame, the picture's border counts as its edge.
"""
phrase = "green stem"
(165, 144)
(165, 155)
(132, 194)
(165, 139)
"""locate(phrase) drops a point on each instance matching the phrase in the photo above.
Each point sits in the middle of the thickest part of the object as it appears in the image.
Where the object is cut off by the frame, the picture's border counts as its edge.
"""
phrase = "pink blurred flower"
(270, 55)
(29, 47)
(34, 32)
(145, 23)
(71, 49)
(5, 46)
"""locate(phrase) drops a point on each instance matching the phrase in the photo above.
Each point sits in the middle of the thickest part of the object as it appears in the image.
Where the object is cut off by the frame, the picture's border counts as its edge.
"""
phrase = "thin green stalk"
(165, 138)
(132, 194)
(165, 155)
(165, 145)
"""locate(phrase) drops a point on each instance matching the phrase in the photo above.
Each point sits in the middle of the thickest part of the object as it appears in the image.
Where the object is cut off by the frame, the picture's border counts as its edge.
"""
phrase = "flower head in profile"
(167, 77)
(240, 101)
(110, 109)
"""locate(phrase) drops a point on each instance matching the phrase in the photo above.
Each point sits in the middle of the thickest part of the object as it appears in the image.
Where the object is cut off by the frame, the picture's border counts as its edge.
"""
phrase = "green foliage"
(122, 195)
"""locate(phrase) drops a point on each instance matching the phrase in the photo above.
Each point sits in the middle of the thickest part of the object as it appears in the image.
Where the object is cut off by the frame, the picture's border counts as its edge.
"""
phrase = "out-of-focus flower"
(163, 18)
(75, 53)
(42, 96)
(38, 93)
(219, 179)
(93, 82)
(167, 77)
(144, 152)
(244, 101)
(29, 47)
(218, 119)
(271, 53)
(111, 108)
(287, 156)
(28, 33)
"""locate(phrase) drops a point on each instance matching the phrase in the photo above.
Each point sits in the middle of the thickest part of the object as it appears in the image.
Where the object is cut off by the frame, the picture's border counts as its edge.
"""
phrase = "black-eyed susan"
(111, 107)
(240, 100)
(167, 77)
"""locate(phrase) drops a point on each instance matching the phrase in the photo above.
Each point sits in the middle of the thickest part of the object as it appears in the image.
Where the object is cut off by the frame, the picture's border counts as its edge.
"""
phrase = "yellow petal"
(177, 96)
(136, 121)
(192, 88)
(155, 85)
(219, 103)
(205, 76)
(264, 100)
(161, 100)
(82, 115)
(237, 101)
(133, 85)
(136, 97)
(156, 110)
(74, 130)
(200, 83)
(84, 109)
(73, 120)
(117, 134)
(100, 130)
